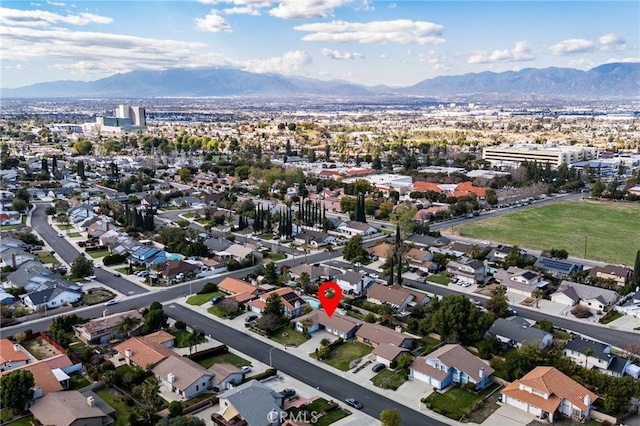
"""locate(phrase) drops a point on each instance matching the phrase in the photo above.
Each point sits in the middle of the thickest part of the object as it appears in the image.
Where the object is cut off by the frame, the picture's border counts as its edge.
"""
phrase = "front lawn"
(389, 379)
(96, 295)
(266, 237)
(46, 257)
(319, 405)
(230, 358)
(440, 278)
(199, 299)
(214, 310)
(289, 337)
(342, 355)
(25, 421)
(428, 344)
(181, 339)
(610, 317)
(455, 402)
(75, 235)
(98, 253)
(190, 215)
(277, 256)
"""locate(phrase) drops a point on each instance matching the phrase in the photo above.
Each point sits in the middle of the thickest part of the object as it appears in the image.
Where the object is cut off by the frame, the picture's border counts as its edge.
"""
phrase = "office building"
(552, 154)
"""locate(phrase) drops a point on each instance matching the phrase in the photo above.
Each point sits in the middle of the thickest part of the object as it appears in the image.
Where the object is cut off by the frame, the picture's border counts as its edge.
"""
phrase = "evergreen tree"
(54, 165)
(391, 269)
(635, 278)
(44, 165)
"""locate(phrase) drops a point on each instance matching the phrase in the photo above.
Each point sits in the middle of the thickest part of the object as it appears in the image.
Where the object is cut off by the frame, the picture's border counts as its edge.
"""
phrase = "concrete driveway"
(507, 415)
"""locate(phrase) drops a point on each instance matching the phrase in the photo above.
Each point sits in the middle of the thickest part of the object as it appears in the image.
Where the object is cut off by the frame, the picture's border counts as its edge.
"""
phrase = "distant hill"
(616, 80)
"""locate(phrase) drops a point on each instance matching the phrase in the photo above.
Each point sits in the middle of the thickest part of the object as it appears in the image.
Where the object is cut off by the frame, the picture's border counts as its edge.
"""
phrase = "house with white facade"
(12, 355)
(570, 294)
(51, 298)
(595, 356)
(521, 281)
(182, 376)
(353, 228)
(353, 282)
(468, 270)
(337, 324)
(545, 391)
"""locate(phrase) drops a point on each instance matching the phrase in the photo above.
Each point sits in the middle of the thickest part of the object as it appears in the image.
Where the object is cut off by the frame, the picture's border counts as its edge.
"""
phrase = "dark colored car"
(217, 299)
(378, 367)
(354, 403)
(250, 318)
(288, 393)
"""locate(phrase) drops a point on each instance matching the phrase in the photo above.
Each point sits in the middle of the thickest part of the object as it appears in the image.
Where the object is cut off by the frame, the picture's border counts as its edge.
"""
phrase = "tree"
(268, 323)
(514, 258)
(498, 304)
(274, 306)
(635, 278)
(404, 361)
(304, 280)
(387, 312)
(81, 267)
(545, 325)
(83, 147)
(270, 273)
(403, 216)
(155, 318)
(185, 174)
(127, 325)
(175, 408)
(353, 249)
(16, 388)
(194, 337)
(598, 188)
(109, 377)
(323, 352)
(390, 417)
(19, 205)
(455, 318)
(150, 389)
(50, 211)
(228, 306)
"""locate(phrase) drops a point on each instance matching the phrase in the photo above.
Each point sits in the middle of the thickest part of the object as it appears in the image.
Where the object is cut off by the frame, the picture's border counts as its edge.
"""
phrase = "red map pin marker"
(330, 303)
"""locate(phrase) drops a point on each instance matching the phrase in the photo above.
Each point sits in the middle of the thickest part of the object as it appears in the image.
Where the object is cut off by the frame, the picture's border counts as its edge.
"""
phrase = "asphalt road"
(68, 252)
(332, 384)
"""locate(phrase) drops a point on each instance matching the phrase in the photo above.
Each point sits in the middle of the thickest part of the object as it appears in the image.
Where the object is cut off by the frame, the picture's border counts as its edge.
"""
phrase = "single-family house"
(353, 228)
(570, 294)
(316, 272)
(13, 257)
(468, 270)
(237, 252)
(353, 282)
(382, 250)
(173, 268)
(12, 355)
(150, 203)
(595, 356)
(516, 331)
(521, 281)
(545, 391)
(388, 344)
(427, 241)
(397, 296)
(556, 267)
(51, 298)
(186, 202)
(142, 352)
(450, 364)
(617, 273)
(293, 304)
(314, 238)
(454, 249)
(45, 381)
(102, 329)
(251, 403)
(239, 290)
(72, 408)
(337, 324)
(225, 376)
(630, 305)
(183, 376)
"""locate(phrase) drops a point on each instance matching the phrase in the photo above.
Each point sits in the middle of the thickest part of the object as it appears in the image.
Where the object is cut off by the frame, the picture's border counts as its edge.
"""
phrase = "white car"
(60, 234)
(246, 369)
(374, 276)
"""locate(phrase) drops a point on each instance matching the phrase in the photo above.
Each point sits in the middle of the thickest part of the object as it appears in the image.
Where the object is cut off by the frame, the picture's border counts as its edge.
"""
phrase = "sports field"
(610, 231)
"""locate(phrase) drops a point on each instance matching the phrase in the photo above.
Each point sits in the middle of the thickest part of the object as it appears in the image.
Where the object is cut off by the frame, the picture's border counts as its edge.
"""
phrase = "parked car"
(144, 274)
(288, 393)
(378, 367)
(354, 403)
(245, 369)
(117, 274)
(60, 234)
(216, 300)
(250, 318)
(374, 276)
(111, 302)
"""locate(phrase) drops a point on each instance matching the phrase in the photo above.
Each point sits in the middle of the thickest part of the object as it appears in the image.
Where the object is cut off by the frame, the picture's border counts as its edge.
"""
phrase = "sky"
(397, 43)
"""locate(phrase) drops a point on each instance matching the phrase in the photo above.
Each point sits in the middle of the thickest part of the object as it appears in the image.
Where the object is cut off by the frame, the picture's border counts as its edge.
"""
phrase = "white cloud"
(254, 3)
(611, 41)
(212, 23)
(582, 63)
(571, 46)
(629, 59)
(392, 5)
(384, 56)
(54, 3)
(41, 18)
(242, 10)
(306, 9)
(365, 6)
(402, 31)
(289, 63)
(519, 53)
(335, 54)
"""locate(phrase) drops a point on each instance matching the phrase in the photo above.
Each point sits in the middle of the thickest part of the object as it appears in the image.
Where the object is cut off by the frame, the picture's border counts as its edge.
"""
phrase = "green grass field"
(342, 355)
(230, 358)
(199, 299)
(389, 379)
(611, 231)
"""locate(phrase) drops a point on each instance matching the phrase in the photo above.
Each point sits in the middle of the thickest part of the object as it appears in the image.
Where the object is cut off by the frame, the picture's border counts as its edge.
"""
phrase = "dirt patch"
(487, 290)
(40, 348)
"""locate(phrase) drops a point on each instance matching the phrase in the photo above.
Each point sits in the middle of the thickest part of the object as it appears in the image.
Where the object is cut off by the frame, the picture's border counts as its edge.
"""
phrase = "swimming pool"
(314, 303)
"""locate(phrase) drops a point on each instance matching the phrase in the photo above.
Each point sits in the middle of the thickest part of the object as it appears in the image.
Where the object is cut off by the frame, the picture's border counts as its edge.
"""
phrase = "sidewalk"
(409, 394)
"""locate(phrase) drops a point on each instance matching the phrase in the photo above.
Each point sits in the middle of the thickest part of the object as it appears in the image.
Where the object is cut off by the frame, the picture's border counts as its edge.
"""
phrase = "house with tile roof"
(238, 290)
(595, 356)
(251, 403)
(545, 391)
(172, 268)
(450, 364)
(105, 328)
(12, 355)
(520, 281)
(72, 408)
(337, 324)
(44, 379)
(143, 353)
(516, 331)
(570, 293)
(183, 376)
(293, 304)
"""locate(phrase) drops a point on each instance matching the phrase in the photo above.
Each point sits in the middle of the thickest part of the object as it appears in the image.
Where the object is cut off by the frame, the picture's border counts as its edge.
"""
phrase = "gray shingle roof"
(254, 401)
(517, 331)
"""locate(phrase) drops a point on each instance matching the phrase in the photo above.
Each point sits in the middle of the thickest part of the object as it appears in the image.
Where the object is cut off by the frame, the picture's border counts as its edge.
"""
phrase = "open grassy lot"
(96, 295)
(289, 337)
(610, 231)
(46, 257)
(455, 402)
(342, 355)
(230, 358)
(389, 379)
(199, 299)
(440, 278)
(99, 253)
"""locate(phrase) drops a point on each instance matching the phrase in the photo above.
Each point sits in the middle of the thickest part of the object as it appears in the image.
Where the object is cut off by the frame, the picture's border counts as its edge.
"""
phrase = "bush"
(180, 325)
(114, 259)
(270, 372)
(580, 311)
(325, 342)
(470, 386)
(209, 288)
(222, 349)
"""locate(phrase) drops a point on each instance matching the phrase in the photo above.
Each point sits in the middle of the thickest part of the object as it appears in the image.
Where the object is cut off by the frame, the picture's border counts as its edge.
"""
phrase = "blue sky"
(397, 43)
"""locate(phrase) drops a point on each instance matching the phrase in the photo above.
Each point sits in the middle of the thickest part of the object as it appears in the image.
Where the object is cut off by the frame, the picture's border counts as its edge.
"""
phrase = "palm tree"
(387, 312)
(150, 389)
(127, 325)
(474, 252)
(194, 337)
(587, 352)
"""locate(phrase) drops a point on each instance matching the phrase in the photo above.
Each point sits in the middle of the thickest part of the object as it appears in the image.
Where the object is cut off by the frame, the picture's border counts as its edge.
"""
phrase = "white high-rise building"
(135, 113)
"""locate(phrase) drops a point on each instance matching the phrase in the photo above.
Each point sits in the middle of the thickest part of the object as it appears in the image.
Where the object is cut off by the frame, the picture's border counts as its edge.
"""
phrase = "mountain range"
(608, 81)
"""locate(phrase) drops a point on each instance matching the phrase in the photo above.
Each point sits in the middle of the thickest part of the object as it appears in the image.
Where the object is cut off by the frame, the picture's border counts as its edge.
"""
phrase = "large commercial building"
(127, 118)
(553, 154)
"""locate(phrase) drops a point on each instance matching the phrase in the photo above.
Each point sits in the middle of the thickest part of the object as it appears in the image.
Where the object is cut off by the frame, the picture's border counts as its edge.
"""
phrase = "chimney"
(587, 400)
(90, 401)
(128, 352)
(482, 373)
(16, 347)
(171, 378)
(13, 260)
